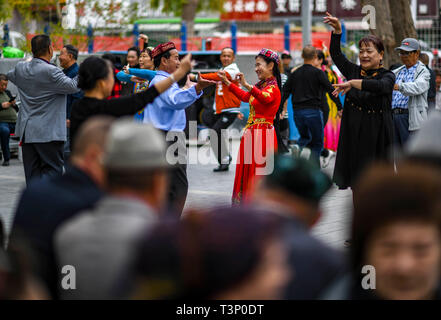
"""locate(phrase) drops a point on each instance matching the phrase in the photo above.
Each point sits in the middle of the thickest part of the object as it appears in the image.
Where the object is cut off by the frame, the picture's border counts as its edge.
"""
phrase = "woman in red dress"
(259, 141)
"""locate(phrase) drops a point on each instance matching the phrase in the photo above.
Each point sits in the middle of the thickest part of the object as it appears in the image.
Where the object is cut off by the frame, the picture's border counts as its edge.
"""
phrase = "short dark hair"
(424, 58)
(321, 56)
(382, 197)
(376, 42)
(110, 57)
(148, 50)
(286, 56)
(40, 45)
(136, 49)
(91, 70)
(72, 50)
(309, 52)
(157, 59)
(228, 48)
(3, 77)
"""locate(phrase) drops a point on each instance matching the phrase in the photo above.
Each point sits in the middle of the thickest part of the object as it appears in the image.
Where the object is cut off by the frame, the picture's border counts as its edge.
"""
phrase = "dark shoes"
(222, 167)
(5, 163)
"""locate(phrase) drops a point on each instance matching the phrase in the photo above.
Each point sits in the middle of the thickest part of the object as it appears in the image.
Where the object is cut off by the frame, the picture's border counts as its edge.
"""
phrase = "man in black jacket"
(46, 204)
(307, 84)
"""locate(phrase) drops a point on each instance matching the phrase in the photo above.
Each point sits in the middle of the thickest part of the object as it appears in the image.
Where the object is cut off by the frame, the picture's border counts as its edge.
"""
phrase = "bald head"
(93, 132)
(309, 53)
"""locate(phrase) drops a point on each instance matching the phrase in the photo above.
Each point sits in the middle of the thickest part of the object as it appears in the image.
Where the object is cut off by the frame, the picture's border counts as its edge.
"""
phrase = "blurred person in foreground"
(292, 194)
(45, 204)
(17, 277)
(396, 229)
(223, 254)
(425, 146)
(136, 180)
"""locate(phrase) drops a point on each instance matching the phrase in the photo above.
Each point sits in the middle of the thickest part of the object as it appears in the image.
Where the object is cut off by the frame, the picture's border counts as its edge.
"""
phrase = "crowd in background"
(99, 226)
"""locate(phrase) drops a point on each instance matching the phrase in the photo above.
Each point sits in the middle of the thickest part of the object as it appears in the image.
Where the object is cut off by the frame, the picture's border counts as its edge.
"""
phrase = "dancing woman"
(259, 138)
(366, 125)
(96, 79)
(141, 77)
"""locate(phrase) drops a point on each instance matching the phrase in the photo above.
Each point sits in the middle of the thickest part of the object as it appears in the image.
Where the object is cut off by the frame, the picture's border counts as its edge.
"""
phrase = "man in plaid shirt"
(409, 98)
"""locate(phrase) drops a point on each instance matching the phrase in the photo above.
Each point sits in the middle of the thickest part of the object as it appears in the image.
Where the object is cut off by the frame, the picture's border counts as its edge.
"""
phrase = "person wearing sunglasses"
(409, 98)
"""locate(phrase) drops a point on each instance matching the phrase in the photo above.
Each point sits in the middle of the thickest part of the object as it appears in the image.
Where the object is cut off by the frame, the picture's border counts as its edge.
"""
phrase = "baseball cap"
(409, 44)
(134, 145)
(286, 54)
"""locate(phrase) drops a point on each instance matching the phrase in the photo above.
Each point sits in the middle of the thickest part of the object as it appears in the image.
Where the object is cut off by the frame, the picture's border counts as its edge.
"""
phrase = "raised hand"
(241, 78)
(223, 76)
(187, 63)
(203, 83)
(333, 22)
(143, 37)
(126, 69)
(341, 87)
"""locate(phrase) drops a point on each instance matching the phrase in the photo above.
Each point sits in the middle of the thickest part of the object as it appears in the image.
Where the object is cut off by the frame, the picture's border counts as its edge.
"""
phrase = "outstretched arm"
(346, 67)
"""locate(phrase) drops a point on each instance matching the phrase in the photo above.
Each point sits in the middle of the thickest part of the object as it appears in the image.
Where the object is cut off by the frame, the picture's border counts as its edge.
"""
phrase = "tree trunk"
(189, 14)
(384, 29)
(402, 20)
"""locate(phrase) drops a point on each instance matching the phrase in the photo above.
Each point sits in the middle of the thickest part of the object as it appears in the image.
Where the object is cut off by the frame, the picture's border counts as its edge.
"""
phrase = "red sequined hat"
(162, 48)
(270, 54)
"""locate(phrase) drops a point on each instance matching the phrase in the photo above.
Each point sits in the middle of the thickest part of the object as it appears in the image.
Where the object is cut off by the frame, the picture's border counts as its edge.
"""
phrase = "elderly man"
(167, 113)
(45, 204)
(41, 123)
(68, 61)
(409, 99)
(136, 179)
(8, 117)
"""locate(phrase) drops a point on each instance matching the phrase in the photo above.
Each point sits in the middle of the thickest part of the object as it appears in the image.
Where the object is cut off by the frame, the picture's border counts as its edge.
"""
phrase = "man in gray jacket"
(101, 242)
(409, 99)
(41, 123)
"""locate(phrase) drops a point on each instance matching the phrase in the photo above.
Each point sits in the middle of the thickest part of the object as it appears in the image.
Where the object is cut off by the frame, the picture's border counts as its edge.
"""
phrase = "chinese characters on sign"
(246, 10)
(259, 10)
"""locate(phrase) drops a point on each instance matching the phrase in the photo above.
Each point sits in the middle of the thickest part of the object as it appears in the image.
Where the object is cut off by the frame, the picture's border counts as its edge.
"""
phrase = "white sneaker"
(295, 150)
(326, 160)
(306, 153)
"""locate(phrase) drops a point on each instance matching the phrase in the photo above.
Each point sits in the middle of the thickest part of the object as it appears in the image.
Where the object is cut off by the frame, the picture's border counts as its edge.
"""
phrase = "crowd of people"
(105, 162)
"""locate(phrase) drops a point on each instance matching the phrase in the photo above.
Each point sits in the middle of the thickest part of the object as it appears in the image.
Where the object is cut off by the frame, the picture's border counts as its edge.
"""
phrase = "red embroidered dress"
(259, 137)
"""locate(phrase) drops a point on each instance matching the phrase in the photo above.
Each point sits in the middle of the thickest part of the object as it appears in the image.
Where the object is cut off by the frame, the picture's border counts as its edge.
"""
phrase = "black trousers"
(42, 159)
(220, 122)
(178, 182)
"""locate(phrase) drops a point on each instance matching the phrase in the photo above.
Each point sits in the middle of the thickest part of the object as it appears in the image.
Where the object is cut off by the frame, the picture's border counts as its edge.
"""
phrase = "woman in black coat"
(366, 126)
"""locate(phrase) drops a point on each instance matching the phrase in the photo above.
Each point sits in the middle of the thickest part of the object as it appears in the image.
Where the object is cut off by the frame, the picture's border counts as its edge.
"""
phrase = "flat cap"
(134, 145)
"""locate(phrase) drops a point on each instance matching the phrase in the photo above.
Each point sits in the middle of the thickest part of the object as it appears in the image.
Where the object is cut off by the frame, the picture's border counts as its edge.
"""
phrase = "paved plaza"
(206, 189)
